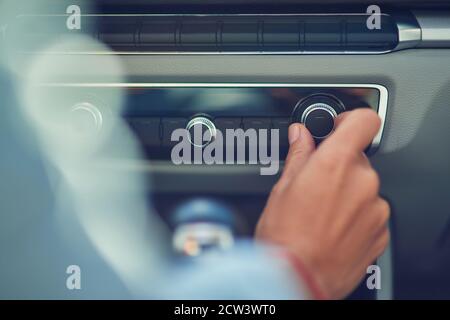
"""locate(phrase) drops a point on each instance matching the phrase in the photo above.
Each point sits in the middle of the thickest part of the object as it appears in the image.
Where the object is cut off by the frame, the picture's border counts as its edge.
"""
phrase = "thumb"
(301, 147)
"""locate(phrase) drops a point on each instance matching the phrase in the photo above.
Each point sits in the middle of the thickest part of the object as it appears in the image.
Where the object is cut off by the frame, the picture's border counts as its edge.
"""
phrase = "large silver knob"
(319, 119)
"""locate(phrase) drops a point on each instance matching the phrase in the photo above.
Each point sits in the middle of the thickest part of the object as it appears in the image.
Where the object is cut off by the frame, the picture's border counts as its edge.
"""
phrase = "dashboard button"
(223, 123)
(169, 125)
(158, 34)
(257, 123)
(198, 35)
(279, 36)
(147, 130)
(322, 34)
(118, 34)
(282, 124)
(239, 36)
(86, 118)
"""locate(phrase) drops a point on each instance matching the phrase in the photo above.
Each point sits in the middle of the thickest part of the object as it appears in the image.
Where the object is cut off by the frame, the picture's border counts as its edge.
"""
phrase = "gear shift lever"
(202, 224)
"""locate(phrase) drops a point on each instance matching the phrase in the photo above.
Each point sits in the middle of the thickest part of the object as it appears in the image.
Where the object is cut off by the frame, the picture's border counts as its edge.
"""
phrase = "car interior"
(249, 64)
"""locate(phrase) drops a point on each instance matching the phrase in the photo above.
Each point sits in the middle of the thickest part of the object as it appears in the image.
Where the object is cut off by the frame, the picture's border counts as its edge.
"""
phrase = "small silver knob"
(86, 117)
(197, 127)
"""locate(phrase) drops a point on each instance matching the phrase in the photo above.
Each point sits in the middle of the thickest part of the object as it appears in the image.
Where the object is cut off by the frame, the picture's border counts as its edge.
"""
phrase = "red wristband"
(305, 275)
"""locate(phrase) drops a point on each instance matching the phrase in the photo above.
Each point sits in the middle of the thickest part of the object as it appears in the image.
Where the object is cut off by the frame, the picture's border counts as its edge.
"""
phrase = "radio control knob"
(317, 113)
(86, 118)
(202, 131)
(319, 119)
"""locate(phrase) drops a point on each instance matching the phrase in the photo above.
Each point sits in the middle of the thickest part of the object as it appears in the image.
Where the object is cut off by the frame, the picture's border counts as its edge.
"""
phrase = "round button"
(202, 131)
(317, 112)
(86, 118)
(319, 119)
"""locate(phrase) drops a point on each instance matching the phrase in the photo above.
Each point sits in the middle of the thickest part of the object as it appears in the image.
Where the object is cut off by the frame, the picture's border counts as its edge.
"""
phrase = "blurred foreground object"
(65, 202)
(202, 224)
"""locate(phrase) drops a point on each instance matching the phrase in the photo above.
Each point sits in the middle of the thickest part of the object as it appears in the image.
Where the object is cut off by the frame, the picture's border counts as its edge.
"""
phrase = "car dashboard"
(257, 65)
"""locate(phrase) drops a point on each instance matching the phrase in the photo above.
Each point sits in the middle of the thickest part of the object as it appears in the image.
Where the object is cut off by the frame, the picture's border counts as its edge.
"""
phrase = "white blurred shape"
(26, 26)
(110, 203)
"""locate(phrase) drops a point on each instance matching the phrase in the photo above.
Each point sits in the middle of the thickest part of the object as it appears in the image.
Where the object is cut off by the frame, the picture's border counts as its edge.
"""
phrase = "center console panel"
(154, 110)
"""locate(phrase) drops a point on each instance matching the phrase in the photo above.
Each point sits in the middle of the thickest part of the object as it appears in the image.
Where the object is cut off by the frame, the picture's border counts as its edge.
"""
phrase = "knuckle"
(379, 245)
(345, 154)
(384, 212)
(296, 152)
(372, 181)
(383, 242)
(337, 157)
(326, 162)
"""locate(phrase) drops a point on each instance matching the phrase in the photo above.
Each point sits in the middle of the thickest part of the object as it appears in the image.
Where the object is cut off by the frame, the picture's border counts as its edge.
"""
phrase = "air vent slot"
(319, 33)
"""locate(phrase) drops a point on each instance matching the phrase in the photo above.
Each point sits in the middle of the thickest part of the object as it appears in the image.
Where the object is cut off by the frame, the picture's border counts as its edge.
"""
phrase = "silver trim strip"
(435, 26)
(382, 105)
(220, 52)
(409, 32)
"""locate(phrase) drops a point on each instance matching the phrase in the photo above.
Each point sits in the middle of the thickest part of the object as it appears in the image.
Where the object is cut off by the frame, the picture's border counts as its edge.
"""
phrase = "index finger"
(355, 129)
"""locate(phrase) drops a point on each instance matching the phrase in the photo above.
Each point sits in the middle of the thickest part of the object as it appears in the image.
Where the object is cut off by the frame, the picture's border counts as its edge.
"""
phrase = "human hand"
(326, 208)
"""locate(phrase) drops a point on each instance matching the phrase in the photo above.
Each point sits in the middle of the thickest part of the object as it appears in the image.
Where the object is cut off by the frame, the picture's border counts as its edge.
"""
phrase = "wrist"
(305, 276)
